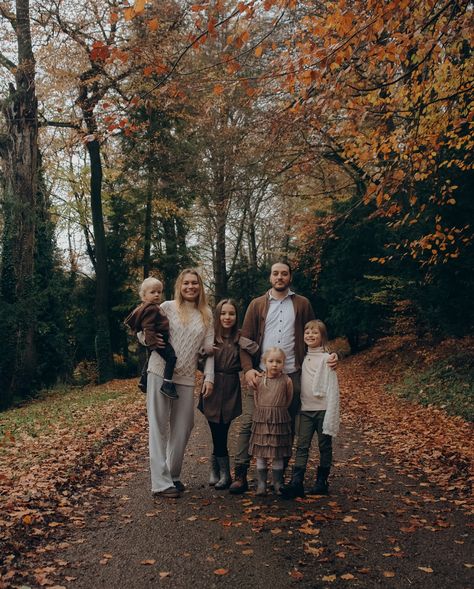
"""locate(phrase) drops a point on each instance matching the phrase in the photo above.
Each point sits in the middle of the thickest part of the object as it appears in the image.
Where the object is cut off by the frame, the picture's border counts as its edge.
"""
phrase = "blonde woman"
(171, 421)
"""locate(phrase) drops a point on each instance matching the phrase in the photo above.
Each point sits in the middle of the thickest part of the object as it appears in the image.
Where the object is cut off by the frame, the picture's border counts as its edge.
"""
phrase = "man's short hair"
(283, 261)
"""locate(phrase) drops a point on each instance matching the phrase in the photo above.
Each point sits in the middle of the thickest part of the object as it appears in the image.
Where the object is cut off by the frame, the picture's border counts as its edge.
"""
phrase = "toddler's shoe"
(168, 389)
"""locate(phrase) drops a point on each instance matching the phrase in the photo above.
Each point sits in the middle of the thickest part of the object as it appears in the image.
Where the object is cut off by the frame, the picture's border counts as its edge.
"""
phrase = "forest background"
(142, 138)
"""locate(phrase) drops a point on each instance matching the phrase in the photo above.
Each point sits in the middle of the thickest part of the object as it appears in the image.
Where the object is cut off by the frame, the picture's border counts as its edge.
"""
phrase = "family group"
(292, 387)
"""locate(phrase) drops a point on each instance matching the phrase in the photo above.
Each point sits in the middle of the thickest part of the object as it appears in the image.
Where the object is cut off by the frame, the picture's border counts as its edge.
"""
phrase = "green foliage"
(449, 384)
(349, 286)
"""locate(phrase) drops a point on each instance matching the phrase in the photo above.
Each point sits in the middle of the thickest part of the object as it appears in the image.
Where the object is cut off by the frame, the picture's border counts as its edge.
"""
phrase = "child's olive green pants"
(308, 424)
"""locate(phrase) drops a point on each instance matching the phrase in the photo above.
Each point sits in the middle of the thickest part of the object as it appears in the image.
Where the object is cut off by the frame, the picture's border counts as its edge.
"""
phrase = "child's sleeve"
(148, 324)
(289, 391)
(248, 345)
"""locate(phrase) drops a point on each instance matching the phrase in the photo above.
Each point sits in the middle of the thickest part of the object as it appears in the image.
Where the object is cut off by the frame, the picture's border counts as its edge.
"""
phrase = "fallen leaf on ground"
(329, 578)
(426, 569)
(164, 574)
(388, 574)
(221, 572)
(148, 561)
(347, 577)
(297, 575)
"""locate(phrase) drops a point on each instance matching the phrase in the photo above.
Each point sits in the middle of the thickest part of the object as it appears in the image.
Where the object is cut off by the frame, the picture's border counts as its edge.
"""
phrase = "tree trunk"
(20, 158)
(102, 339)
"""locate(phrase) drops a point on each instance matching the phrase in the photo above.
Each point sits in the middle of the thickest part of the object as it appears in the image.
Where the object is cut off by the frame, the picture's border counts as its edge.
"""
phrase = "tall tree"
(19, 154)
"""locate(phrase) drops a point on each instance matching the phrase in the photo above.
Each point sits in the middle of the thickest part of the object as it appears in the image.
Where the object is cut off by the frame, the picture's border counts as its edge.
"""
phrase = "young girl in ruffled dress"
(271, 427)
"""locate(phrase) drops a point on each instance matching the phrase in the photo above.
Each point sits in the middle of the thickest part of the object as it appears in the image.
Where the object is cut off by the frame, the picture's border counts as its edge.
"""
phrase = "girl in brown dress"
(223, 404)
(271, 427)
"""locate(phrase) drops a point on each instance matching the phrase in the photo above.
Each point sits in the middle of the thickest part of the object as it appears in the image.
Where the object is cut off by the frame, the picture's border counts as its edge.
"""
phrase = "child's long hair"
(201, 302)
(319, 325)
(265, 356)
(218, 329)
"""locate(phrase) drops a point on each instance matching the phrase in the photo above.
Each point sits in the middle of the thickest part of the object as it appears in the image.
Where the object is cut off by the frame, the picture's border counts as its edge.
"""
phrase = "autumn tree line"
(139, 138)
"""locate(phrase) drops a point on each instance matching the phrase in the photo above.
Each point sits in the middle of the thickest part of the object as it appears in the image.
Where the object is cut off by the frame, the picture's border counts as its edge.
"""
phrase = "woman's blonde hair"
(319, 325)
(201, 301)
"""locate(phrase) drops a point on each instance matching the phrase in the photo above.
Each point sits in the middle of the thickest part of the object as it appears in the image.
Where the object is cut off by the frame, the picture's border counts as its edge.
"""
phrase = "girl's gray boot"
(214, 475)
(277, 478)
(224, 469)
(262, 481)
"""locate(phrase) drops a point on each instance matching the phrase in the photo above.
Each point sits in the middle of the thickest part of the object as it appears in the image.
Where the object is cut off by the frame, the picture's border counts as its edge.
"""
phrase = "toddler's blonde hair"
(147, 283)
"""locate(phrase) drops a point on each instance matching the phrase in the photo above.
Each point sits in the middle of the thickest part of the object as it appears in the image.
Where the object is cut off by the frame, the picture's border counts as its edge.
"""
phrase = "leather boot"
(224, 468)
(240, 484)
(321, 486)
(261, 481)
(214, 475)
(295, 487)
(277, 479)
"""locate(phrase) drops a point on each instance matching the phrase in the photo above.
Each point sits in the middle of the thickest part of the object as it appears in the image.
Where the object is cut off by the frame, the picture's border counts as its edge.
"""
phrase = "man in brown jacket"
(277, 318)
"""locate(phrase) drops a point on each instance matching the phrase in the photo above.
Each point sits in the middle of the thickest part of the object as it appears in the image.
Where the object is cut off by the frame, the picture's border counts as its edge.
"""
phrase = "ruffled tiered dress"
(271, 427)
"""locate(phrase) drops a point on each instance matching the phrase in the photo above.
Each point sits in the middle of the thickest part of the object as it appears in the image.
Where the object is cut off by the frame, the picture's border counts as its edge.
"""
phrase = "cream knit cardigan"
(187, 338)
(324, 385)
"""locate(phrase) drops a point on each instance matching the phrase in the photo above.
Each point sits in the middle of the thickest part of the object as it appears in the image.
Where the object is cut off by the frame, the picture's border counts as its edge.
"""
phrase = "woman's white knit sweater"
(187, 339)
(320, 389)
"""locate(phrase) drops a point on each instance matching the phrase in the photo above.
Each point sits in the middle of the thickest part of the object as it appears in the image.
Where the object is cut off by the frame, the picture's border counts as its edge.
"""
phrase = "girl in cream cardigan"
(319, 412)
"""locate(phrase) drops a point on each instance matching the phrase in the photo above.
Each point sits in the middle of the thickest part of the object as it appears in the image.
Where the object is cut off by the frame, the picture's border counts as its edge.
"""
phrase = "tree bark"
(20, 161)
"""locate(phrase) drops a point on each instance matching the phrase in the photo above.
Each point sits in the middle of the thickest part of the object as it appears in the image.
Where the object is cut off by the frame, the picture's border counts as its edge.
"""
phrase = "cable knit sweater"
(187, 340)
(320, 389)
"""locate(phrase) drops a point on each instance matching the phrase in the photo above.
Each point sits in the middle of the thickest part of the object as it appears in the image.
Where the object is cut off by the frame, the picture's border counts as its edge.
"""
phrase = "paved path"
(380, 527)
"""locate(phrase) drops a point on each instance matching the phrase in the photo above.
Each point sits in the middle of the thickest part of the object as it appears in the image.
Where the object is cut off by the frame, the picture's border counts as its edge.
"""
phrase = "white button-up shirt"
(280, 329)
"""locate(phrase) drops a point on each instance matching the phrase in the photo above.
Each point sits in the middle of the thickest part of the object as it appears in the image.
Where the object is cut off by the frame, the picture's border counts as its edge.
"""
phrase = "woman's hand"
(251, 378)
(207, 389)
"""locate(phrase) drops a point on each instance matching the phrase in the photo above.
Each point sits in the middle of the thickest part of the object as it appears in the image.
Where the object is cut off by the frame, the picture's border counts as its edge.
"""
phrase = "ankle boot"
(214, 475)
(262, 481)
(295, 487)
(277, 479)
(224, 469)
(321, 486)
(240, 484)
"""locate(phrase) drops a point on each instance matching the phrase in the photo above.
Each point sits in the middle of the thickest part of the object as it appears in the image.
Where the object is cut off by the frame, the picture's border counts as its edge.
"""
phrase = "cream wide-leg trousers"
(169, 426)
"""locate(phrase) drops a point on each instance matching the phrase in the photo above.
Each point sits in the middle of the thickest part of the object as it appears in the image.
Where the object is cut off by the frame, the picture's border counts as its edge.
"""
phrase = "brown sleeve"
(249, 330)
(150, 318)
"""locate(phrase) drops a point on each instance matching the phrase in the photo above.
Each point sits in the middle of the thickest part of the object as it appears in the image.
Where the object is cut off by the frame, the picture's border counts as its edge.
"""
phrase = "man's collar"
(288, 294)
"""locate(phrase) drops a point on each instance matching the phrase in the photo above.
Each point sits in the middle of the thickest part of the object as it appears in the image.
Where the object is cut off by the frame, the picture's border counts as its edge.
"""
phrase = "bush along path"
(397, 514)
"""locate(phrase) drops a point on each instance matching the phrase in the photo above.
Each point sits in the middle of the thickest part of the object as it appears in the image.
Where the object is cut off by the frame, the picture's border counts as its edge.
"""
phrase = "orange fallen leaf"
(148, 561)
(164, 574)
(221, 572)
(275, 531)
(426, 569)
(347, 577)
(295, 574)
(247, 552)
(388, 574)
(329, 578)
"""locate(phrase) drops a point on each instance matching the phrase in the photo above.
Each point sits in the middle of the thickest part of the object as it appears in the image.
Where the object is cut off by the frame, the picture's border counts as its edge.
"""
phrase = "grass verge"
(447, 383)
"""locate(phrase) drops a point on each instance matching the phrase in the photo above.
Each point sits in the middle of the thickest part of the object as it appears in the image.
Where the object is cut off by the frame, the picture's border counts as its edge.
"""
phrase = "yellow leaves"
(129, 13)
(139, 6)
(153, 24)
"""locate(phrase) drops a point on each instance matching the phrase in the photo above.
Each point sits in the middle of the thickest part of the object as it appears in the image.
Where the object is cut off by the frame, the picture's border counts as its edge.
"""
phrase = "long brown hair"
(218, 329)
(201, 301)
